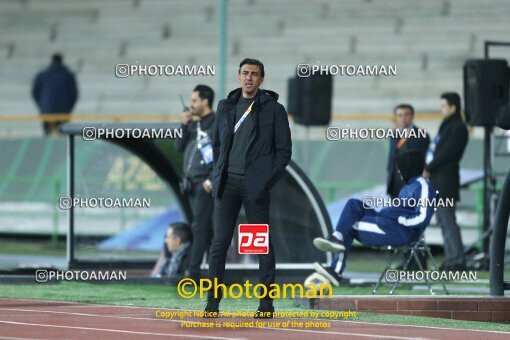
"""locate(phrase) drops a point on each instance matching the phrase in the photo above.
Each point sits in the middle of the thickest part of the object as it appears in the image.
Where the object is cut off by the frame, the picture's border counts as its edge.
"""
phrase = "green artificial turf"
(158, 296)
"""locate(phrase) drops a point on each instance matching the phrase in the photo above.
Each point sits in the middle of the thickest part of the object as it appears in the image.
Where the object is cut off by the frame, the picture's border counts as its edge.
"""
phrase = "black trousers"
(226, 211)
(202, 205)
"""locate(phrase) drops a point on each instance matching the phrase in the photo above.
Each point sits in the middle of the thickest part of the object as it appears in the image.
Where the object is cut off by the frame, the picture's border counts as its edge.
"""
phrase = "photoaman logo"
(188, 288)
(253, 239)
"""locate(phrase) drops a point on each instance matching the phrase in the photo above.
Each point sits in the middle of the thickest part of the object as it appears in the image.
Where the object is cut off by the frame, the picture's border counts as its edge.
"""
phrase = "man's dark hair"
(453, 98)
(205, 92)
(57, 58)
(251, 61)
(181, 231)
(410, 163)
(404, 106)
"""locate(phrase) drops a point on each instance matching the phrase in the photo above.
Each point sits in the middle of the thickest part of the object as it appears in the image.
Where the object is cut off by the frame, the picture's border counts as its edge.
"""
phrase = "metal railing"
(59, 191)
(176, 117)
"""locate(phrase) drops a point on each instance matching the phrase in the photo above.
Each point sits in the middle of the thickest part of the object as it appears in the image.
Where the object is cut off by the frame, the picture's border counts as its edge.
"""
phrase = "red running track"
(39, 319)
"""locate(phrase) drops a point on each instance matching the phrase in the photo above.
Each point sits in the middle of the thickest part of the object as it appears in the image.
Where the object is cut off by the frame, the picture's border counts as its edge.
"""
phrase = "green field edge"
(166, 297)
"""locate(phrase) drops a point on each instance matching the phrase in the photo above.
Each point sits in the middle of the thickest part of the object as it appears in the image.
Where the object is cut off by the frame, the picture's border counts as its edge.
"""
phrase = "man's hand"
(426, 174)
(207, 185)
(186, 117)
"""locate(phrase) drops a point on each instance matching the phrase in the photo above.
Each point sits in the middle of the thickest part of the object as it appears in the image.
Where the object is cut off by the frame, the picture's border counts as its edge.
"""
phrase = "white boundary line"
(13, 338)
(351, 334)
(84, 304)
(428, 327)
(367, 335)
(120, 331)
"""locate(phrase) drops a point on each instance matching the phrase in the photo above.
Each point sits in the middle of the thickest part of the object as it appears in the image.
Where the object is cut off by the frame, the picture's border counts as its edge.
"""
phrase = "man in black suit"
(251, 147)
(197, 167)
(443, 158)
(404, 116)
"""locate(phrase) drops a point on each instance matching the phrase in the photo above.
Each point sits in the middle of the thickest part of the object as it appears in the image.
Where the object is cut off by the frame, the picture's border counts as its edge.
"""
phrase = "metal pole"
(497, 248)
(70, 212)
(54, 234)
(122, 211)
(498, 238)
(222, 44)
(487, 168)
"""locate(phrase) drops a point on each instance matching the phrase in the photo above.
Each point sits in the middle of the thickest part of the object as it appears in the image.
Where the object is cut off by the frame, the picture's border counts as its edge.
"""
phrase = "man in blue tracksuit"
(396, 225)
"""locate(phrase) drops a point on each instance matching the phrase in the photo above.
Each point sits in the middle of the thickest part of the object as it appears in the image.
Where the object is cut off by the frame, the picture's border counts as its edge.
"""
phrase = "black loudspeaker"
(294, 95)
(485, 89)
(309, 99)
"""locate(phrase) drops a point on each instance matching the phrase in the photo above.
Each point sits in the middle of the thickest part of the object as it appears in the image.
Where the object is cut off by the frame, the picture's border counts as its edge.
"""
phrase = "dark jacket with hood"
(420, 144)
(269, 145)
(444, 168)
(54, 89)
(417, 189)
(193, 165)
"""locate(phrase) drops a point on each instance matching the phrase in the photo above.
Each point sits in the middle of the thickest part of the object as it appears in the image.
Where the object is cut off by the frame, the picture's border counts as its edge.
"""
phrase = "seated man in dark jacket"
(173, 259)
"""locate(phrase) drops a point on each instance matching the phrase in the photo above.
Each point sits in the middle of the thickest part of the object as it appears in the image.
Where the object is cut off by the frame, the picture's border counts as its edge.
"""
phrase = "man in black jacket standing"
(197, 147)
(252, 146)
(442, 168)
(55, 92)
(404, 116)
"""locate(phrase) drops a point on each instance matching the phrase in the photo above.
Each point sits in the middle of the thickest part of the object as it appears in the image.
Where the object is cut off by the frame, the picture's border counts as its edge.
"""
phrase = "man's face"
(172, 243)
(403, 118)
(198, 105)
(446, 109)
(250, 78)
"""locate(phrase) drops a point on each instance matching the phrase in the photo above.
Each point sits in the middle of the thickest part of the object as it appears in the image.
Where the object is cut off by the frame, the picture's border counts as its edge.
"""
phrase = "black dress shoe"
(264, 312)
(212, 309)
